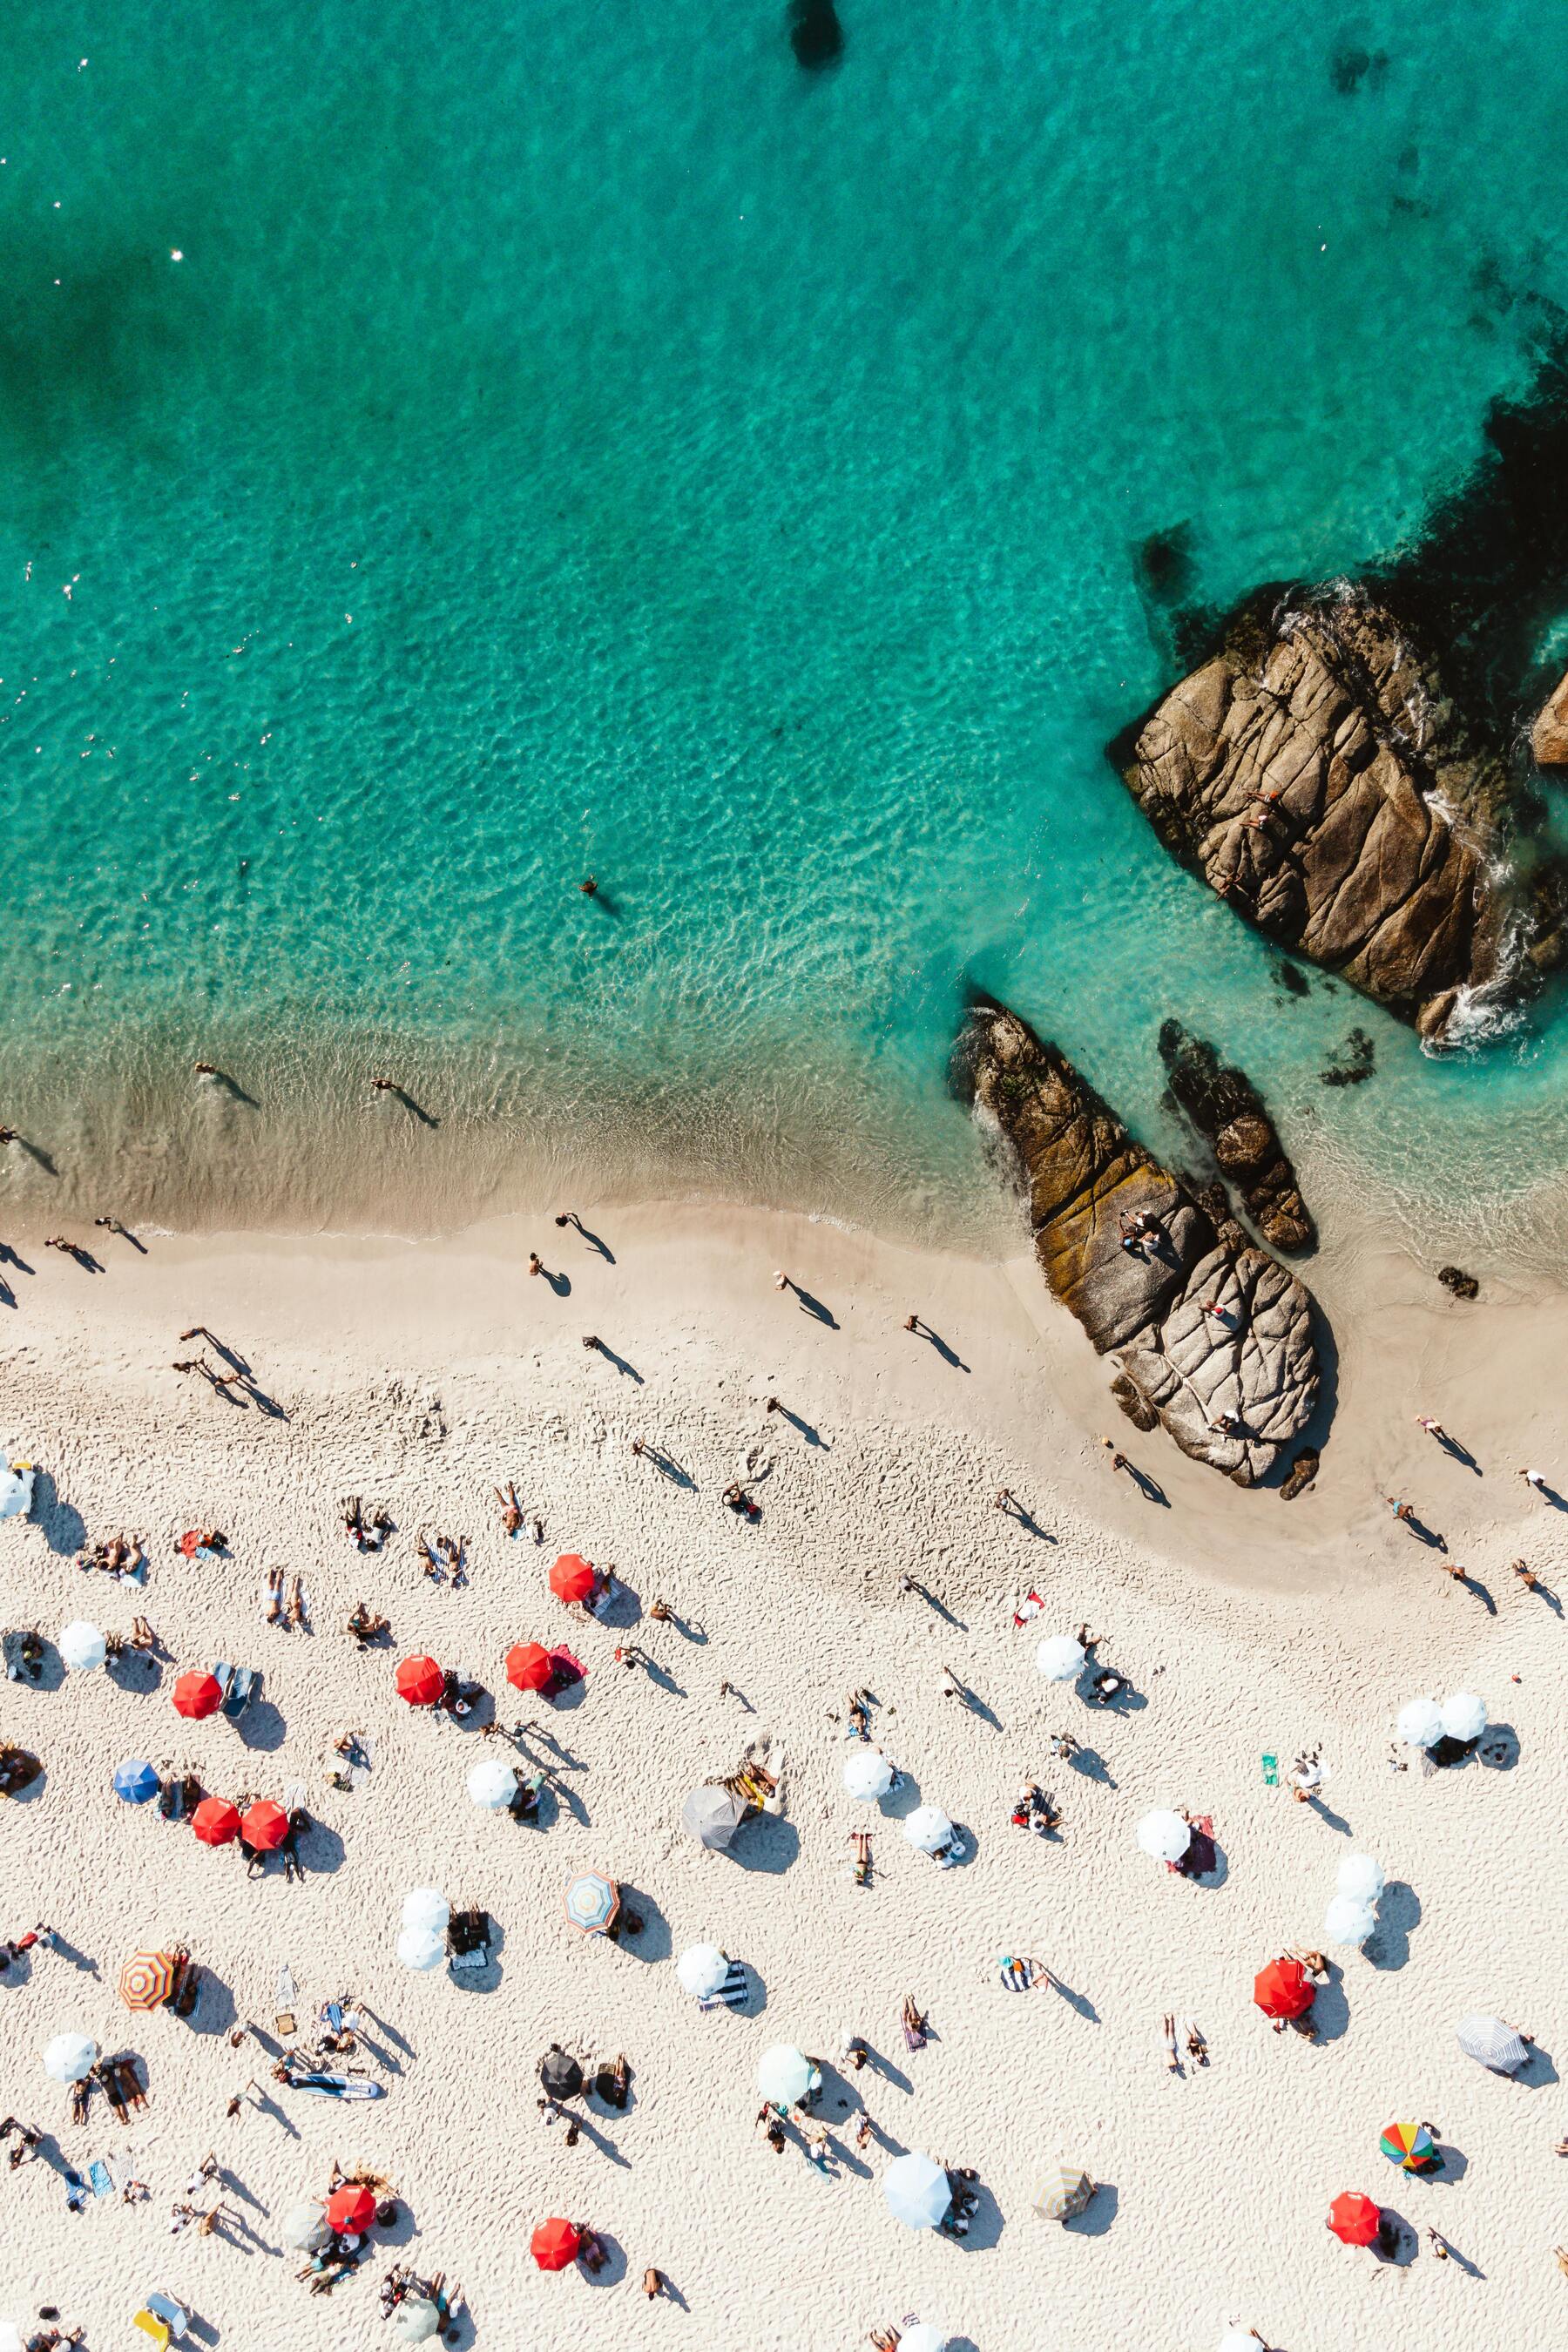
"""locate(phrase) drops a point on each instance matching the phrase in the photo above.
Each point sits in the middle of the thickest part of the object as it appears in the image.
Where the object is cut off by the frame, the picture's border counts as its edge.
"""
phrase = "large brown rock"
(1082, 1172)
(1548, 736)
(1230, 1115)
(1314, 774)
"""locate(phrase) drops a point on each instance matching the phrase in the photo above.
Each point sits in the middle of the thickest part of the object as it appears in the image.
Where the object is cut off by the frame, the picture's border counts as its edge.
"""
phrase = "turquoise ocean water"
(576, 439)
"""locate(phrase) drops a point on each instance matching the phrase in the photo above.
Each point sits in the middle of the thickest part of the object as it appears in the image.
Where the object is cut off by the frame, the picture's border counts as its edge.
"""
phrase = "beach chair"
(468, 1939)
(239, 1685)
(731, 1992)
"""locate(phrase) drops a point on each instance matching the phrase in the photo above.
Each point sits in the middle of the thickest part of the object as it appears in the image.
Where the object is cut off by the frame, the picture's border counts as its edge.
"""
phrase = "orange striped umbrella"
(148, 1979)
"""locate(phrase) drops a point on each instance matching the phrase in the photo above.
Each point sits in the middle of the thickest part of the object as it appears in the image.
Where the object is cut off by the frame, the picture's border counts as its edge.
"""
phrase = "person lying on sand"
(510, 1508)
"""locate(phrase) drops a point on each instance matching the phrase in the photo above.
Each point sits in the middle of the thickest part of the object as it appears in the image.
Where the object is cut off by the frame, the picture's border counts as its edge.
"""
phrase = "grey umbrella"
(1492, 2044)
(712, 1815)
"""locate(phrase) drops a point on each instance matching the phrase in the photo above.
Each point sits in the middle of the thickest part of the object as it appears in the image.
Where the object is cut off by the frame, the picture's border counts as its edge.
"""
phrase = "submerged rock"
(1314, 774)
(1463, 1285)
(1230, 1115)
(1253, 1367)
(815, 35)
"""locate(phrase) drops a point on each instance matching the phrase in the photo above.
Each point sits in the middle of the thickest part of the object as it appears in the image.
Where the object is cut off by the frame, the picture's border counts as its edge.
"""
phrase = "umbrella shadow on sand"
(215, 2010)
(65, 1529)
(653, 1941)
(988, 2222)
(1098, 2214)
(767, 1844)
(261, 1727)
(1398, 2240)
(1538, 2072)
(1331, 2011)
(1398, 1910)
(613, 2269)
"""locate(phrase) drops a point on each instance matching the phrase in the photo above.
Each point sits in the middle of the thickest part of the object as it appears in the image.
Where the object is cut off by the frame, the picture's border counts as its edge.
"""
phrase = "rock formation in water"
(1313, 773)
(1548, 736)
(1230, 1115)
(815, 35)
(1252, 1366)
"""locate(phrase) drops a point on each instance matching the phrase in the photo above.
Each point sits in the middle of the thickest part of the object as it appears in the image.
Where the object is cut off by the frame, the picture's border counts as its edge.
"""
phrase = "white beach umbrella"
(1464, 1715)
(1347, 1921)
(11, 2337)
(702, 1968)
(15, 1493)
(426, 1908)
(917, 2191)
(1059, 1658)
(69, 2057)
(1421, 1723)
(1165, 1836)
(868, 1774)
(415, 2321)
(82, 1646)
(421, 1947)
(1361, 1878)
(493, 1784)
(928, 1829)
(303, 2229)
(784, 2074)
(1492, 2044)
(1238, 2340)
(923, 2337)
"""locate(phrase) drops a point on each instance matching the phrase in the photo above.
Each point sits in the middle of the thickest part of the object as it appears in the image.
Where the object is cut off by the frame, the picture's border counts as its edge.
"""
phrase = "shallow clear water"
(578, 440)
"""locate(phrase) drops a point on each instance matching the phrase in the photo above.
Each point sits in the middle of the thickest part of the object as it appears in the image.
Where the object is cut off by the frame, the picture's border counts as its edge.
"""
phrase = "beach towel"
(1018, 1976)
(1271, 1771)
(100, 2178)
(731, 1992)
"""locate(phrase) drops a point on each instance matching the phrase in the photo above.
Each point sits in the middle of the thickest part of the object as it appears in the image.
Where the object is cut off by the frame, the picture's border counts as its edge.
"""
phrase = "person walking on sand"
(1432, 1428)
(535, 1264)
(1526, 1576)
(1405, 1511)
(1536, 1478)
(782, 1282)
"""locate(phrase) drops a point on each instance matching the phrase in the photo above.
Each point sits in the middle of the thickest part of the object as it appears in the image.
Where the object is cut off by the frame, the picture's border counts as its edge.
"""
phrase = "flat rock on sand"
(1377, 855)
(1256, 1360)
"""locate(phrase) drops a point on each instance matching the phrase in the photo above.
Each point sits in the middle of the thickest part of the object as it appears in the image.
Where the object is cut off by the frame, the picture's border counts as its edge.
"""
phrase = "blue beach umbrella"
(917, 2191)
(135, 1781)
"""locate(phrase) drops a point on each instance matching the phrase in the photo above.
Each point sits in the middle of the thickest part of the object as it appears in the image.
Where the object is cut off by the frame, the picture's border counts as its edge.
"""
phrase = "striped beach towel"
(731, 1992)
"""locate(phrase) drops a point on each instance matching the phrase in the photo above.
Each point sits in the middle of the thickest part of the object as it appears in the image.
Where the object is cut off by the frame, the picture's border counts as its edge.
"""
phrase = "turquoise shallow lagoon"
(579, 440)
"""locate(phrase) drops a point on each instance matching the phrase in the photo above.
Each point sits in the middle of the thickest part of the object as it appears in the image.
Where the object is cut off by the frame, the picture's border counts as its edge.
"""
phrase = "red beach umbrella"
(1353, 2218)
(554, 2245)
(197, 1694)
(572, 1577)
(420, 1681)
(350, 2208)
(529, 1666)
(1283, 1989)
(216, 1821)
(265, 1826)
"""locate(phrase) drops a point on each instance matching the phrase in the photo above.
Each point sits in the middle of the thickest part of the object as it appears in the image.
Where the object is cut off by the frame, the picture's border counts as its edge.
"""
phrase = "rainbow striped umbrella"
(148, 1979)
(592, 1902)
(1411, 2146)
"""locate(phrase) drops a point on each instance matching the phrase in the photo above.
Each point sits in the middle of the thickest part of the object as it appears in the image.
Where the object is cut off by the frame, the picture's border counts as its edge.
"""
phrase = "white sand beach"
(420, 1375)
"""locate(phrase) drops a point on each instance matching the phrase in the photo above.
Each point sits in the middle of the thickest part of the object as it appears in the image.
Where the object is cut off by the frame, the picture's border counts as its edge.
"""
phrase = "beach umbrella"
(1059, 1658)
(712, 1815)
(554, 2245)
(421, 1948)
(923, 2337)
(572, 1577)
(216, 1821)
(702, 1968)
(560, 2073)
(263, 1826)
(592, 1902)
(1238, 2340)
(1463, 1717)
(69, 2057)
(928, 1830)
(351, 2208)
(148, 1979)
(1361, 1878)
(1283, 1989)
(1165, 1836)
(529, 1666)
(493, 1784)
(304, 2228)
(784, 2074)
(1421, 1723)
(1347, 1921)
(16, 1490)
(11, 2337)
(1492, 2044)
(868, 1774)
(917, 2191)
(1353, 2218)
(82, 1646)
(1410, 2146)
(197, 1695)
(1064, 2192)
(420, 1681)
(135, 1781)
(415, 2321)
(426, 1908)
